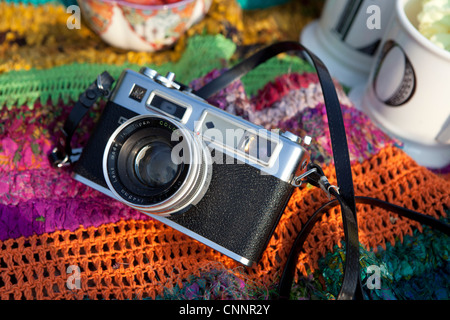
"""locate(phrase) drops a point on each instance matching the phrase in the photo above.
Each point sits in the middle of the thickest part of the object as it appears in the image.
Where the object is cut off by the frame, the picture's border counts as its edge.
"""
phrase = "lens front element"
(153, 165)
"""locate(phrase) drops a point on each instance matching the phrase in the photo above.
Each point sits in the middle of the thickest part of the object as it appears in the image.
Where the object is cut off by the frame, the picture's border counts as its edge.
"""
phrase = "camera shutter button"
(168, 81)
(170, 76)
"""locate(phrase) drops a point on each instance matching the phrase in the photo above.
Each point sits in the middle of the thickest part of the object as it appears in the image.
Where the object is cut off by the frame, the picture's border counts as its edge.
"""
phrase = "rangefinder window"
(166, 106)
(257, 147)
(254, 145)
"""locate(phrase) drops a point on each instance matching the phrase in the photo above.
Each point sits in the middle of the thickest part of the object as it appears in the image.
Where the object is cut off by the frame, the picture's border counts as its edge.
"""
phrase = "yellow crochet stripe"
(37, 36)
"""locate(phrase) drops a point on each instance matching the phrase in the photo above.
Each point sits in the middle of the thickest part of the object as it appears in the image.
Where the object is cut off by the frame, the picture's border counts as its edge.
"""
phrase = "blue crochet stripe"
(417, 268)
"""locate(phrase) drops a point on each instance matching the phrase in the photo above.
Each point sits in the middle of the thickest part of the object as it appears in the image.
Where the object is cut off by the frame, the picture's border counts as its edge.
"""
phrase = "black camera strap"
(351, 288)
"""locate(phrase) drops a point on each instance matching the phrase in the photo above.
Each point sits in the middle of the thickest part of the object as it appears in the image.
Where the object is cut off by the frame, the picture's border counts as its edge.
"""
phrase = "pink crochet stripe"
(293, 102)
(48, 183)
(363, 137)
(281, 86)
(31, 134)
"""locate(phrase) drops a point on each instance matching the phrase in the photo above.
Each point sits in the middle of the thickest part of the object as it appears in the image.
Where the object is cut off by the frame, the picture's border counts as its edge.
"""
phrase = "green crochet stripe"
(202, 54)
(68, 81)
(259, 4)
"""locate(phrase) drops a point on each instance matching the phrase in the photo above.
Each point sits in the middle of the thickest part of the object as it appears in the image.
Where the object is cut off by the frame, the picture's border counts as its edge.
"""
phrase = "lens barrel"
(156, 166)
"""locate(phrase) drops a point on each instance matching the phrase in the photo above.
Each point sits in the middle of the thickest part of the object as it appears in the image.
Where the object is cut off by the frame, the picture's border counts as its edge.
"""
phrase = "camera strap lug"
(316, 177)
(61, 160)
(299, 180)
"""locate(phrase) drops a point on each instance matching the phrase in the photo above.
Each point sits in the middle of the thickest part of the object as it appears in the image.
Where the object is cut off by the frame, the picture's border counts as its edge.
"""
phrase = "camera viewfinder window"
(168, 107)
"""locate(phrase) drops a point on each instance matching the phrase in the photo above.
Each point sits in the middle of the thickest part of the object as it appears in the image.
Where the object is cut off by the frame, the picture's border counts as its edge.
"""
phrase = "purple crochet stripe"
(27, 208)
(364, 138)
(40, 216)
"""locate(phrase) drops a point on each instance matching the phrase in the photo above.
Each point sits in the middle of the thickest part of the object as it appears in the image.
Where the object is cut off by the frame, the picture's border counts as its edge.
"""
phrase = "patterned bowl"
(140, 27)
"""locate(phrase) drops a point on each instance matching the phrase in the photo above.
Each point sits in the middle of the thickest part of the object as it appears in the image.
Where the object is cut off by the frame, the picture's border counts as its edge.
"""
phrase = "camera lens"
(155, 165)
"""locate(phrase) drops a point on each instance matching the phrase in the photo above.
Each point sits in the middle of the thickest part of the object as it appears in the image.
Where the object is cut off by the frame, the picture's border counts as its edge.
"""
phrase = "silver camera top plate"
(147, 93)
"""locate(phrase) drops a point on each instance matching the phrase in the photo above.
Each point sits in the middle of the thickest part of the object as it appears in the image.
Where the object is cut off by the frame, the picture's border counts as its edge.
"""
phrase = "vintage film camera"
(166, 152)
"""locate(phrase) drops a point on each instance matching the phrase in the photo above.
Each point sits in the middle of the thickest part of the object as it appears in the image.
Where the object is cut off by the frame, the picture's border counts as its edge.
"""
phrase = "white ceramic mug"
(408, 93)
(347, 37)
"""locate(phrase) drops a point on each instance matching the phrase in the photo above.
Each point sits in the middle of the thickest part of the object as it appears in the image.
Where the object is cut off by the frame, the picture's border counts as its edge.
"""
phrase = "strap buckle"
(325, 185)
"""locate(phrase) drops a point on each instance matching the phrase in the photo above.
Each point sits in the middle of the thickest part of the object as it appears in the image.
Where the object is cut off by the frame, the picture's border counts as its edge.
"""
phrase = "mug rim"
(415, 33)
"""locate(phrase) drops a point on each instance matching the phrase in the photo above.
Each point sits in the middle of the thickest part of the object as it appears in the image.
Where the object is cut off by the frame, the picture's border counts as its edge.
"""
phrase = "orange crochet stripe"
(138, 259)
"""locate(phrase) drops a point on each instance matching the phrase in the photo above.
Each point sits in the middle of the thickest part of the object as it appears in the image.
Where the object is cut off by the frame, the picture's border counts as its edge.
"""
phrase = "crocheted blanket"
(54, 229)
